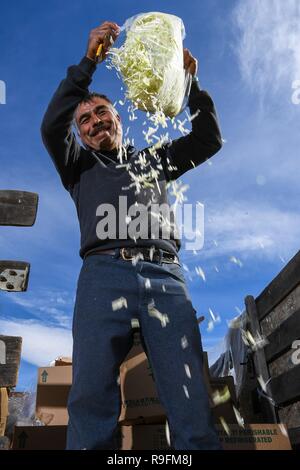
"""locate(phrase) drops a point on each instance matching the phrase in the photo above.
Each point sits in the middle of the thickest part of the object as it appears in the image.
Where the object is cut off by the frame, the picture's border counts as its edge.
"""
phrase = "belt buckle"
(164, 257)
(123, 256)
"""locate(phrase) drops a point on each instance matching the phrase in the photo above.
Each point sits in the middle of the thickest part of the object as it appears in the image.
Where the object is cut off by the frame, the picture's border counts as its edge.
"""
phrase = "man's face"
(99, 125)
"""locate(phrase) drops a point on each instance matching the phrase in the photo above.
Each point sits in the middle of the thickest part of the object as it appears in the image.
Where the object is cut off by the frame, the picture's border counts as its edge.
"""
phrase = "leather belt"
(145, 254)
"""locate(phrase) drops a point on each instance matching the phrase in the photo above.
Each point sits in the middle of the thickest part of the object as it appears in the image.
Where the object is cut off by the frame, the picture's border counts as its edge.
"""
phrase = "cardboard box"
(152, 437)
(144, 437)
(39, 438)
(138, 391)
(255, 437)
(63, 361)
(51, 404)
(55, 375)
(140, 402)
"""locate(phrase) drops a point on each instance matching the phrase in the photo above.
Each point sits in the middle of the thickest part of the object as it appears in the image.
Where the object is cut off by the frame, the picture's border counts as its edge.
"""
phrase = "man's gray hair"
(89, 97)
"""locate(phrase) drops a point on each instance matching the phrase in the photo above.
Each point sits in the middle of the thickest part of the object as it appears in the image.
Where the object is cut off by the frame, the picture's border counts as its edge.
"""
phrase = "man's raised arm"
(204, 140)
(56, 127)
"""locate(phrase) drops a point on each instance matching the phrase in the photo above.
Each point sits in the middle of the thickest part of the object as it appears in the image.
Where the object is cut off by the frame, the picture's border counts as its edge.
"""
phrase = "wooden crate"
(11, 353)
(275, 314)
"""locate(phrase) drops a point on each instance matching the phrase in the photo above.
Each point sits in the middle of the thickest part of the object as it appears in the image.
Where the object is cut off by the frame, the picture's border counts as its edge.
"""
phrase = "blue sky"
(249, 59)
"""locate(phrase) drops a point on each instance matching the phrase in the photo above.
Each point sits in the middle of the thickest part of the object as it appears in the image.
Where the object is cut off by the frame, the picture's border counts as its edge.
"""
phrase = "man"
(125, 277)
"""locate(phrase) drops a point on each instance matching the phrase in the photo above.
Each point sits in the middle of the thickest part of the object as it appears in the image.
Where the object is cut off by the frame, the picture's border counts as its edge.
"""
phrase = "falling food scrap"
(221, 396)
(193, 116)
(184, 342)
(260, 342)
(283, 429)
(239, 311)
(119, 303)
(167, 430)
(256, 342)
(200, 272)
(181, 127)
(211, 323)
(215, 319)
(234, 260)
(177, 190)
(135, 323)
(238, 416)
(162, 317)
(136, 258)
(262, 383)
(187, 371)
(247, 337)
(186, 391)
(152, 250)
(224, 425)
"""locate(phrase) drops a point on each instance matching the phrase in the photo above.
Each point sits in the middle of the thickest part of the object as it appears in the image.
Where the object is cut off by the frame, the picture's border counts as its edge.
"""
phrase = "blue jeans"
(103, 337)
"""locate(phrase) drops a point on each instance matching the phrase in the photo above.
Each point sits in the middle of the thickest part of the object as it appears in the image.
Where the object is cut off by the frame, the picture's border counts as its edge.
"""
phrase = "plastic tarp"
(230, 355)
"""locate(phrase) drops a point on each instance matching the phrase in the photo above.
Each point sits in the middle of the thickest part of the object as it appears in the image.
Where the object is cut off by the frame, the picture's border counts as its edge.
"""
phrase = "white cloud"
(49, 305)
(250, 232)
(41, 344)
(251, 228)
(269, 42)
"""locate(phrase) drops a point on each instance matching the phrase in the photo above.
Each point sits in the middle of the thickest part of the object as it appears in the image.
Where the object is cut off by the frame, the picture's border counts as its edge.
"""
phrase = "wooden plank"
(259, 358)
(10, 360)
(18, 208)
(283, 363)
(281, 312)
(290, 414)
(286, 387)
(279, 288)
(14, 275)
(282, 338)
(294, 435)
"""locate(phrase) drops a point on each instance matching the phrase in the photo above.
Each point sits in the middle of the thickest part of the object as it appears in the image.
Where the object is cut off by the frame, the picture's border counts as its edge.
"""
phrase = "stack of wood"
(10, 356)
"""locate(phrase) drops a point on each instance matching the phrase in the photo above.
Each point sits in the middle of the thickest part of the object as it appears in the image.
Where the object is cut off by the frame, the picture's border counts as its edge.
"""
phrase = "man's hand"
(105, 34)
(189, 62)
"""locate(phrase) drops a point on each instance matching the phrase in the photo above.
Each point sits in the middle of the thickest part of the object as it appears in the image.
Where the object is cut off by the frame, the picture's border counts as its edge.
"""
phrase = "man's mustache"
(99, 127)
